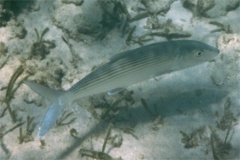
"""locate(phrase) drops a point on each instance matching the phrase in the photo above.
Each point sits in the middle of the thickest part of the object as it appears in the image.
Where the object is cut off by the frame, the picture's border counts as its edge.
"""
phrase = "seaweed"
(75, 58)
(27, 136)
(64, 116)
(2, 133)
(130, 130)
(3, 51)
(10, 91)
(5, 149)
(139, 16)
(157, 118)
(116, 140)
(140, 39)
(95, 154)
(114, 104)
(198, 7)
(157, 121)
(129, 36)
(221, 27)
(228, 120)
(114, 13)
(146, 107)
(192, 139)
(106, 137)
(220, 148)
(41, 47)
(99, 154)
(42, 143)
(171, 34)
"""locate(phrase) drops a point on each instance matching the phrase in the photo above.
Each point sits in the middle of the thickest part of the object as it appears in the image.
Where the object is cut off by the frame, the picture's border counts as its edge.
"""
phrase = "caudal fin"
(55, 108)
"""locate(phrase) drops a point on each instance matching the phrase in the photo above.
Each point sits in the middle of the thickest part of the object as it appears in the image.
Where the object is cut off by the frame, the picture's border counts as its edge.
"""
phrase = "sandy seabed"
(191, 114)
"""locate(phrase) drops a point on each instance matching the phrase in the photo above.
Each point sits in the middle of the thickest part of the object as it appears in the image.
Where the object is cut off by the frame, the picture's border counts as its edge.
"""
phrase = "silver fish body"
(140, 64)
(128, 68)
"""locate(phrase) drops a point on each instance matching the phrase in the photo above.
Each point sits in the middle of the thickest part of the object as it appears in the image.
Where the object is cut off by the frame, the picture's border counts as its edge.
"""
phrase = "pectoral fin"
(115, 91)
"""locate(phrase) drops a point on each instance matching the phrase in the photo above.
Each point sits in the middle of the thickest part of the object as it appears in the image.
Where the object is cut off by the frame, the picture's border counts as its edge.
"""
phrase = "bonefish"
(124, 69)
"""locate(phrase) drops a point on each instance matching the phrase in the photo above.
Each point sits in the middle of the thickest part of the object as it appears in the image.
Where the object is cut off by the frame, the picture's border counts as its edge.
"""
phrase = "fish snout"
(216, 52)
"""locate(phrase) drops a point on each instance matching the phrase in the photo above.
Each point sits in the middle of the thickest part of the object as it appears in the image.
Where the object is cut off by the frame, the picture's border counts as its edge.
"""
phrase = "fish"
(124, 69)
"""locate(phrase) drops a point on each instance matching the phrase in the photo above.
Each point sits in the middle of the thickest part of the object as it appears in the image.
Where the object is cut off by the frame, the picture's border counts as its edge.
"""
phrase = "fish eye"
(199, 53)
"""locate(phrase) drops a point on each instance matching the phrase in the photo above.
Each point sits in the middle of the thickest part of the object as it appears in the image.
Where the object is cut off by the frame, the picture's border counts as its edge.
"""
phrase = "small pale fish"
(124, 69)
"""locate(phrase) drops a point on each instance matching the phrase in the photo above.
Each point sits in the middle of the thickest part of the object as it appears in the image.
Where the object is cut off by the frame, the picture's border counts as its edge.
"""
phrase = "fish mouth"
(216, 57)
(214, 49)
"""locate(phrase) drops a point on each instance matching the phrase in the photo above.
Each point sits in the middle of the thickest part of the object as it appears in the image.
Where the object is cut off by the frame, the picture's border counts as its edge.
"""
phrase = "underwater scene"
(119, 79)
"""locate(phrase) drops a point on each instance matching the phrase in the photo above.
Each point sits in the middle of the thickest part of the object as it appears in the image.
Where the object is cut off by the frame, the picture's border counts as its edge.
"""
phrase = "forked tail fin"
(53, 111)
